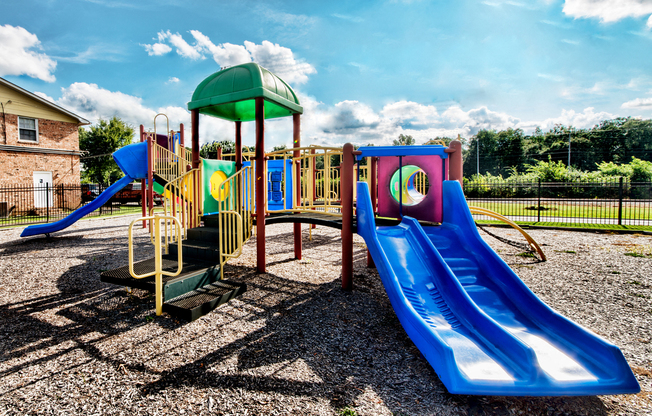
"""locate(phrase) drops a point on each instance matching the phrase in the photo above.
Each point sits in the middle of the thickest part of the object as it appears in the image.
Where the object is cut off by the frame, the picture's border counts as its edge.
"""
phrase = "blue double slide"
(478, 325)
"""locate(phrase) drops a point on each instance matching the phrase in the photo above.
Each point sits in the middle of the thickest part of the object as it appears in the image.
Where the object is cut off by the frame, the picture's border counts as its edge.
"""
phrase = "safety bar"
(158, 257)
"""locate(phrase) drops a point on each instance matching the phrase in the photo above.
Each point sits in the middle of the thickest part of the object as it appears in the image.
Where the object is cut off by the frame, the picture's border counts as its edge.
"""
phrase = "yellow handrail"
(230, 239)
(158, 257)
(183, 197)
(530, 240)
(235, 211)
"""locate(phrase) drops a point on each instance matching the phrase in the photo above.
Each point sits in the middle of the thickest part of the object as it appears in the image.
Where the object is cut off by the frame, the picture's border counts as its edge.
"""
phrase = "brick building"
(39, 144)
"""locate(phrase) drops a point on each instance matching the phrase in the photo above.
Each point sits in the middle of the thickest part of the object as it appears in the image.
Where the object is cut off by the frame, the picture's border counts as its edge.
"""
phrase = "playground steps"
(190, 295)
(199, 302)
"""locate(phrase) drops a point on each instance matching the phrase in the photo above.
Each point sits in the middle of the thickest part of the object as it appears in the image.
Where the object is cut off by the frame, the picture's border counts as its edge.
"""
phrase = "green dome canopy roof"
(230, 94)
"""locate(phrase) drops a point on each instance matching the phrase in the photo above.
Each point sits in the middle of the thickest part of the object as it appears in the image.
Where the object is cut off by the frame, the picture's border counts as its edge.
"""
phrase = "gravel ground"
(294, 343)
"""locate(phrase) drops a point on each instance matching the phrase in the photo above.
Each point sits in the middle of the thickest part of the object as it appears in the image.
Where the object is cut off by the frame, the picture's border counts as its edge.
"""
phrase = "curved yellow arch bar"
(530, 240)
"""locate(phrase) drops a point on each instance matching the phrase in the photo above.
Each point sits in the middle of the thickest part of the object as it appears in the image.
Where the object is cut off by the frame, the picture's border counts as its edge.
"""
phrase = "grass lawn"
(586, 209)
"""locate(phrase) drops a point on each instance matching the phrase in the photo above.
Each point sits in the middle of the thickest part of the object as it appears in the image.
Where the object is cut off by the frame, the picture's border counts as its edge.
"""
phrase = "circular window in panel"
(414, 186)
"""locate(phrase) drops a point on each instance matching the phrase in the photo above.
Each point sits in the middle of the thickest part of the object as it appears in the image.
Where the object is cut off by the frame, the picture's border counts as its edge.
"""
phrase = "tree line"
(502, 153)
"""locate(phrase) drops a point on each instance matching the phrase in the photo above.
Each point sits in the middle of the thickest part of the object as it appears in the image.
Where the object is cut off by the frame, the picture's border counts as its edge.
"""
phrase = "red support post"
(346, 189)
(238, 145)
(219, 153)
(373, 178)
(296, 135)
(194, 115)
(143, 191)
(181, 141)
(261, 178)
(455, 163)
(196, 160)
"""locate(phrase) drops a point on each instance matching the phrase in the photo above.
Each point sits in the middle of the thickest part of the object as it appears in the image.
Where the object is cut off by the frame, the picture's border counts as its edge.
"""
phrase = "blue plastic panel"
(380, 151)
(277, 200)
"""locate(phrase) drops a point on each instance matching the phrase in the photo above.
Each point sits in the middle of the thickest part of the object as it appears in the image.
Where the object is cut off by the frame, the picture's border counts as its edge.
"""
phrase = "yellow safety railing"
(319, 189)
(236, 204)
(533, 244)
(158, 272)
(183, 200)
(169, 165)
(246, 156)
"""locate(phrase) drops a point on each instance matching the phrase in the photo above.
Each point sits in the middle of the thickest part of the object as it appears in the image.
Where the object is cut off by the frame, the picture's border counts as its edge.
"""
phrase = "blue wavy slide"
(478, 325)
(132, 161)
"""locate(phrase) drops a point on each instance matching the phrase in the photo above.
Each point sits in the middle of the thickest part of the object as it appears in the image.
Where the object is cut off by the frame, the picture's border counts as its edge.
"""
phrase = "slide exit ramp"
(481, 328)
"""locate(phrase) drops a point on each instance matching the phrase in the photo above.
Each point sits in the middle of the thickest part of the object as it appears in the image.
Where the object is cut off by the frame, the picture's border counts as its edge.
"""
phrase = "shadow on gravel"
(318, 341)
(352, 345)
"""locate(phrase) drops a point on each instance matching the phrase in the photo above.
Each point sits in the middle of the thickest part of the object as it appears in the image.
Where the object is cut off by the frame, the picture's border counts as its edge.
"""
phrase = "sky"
(364, 71)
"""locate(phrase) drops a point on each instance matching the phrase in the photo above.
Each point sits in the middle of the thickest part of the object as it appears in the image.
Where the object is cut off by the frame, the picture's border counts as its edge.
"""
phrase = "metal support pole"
(346, 187)
(296, 135)
(620, 201)
(569, 148)
(539, 202)
(261, 178)
(47, 201)
(477, 154)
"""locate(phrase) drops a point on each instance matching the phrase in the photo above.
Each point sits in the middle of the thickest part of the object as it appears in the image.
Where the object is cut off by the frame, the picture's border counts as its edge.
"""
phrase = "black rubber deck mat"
(199, 302)
(121, 276)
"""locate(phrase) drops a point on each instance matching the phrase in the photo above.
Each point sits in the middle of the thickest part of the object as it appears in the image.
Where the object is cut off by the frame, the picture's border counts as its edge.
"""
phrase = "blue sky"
(365, 71)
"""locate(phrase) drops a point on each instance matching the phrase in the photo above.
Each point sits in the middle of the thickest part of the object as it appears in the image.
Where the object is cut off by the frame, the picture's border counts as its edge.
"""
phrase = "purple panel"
(431, 207)
(162, 140)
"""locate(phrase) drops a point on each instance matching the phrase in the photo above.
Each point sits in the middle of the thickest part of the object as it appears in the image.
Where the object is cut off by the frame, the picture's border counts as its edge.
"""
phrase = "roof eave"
(81, 121)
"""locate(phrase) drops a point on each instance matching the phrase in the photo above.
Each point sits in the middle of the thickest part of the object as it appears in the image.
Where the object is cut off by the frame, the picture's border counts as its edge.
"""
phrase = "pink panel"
(431, 207)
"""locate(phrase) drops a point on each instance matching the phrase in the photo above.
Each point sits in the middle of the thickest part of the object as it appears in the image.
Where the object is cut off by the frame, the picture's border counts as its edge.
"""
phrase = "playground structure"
(478, 325)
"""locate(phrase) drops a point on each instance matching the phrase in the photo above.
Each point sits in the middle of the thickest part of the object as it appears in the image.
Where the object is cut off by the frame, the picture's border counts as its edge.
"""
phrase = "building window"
(28, 128)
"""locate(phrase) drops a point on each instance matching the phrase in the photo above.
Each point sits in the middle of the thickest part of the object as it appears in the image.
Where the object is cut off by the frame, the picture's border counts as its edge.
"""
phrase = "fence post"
(47, 201)
(539, 202)
(620, 201)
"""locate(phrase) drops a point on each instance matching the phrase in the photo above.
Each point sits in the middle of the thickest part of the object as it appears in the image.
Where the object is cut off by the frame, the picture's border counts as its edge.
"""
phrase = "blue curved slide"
(131, 159)
(478, 325)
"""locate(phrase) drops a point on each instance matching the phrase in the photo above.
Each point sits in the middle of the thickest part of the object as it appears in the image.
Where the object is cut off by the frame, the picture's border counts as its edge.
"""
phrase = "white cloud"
(643, 103)
(410, 113)
(586, 119)
(225, 54)
(92, 102)
(649, 22)
(172, 80)
(183, 48)
(18, 57)
(276, 58)
(607, 10)
(44, 95)
(281, 61)
(157, 49)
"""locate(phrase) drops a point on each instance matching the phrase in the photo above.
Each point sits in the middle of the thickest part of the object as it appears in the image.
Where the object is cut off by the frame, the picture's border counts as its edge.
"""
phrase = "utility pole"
(569, 146)
(477, 154)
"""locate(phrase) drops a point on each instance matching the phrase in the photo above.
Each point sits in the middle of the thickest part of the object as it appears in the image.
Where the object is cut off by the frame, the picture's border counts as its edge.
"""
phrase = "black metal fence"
(616, 202)
(32, 204)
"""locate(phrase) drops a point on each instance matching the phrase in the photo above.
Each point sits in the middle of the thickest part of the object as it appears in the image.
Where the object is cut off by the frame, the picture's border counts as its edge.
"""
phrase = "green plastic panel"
(213, 172)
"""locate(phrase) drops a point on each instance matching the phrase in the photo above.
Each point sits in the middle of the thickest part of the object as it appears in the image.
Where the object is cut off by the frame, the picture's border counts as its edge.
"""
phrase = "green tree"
(404, 140)
(98, 143)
